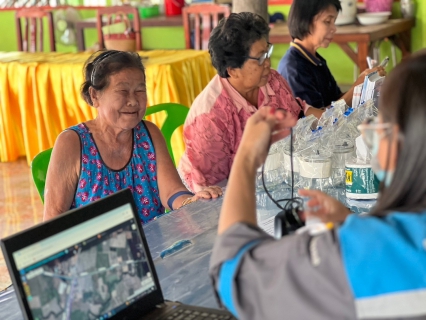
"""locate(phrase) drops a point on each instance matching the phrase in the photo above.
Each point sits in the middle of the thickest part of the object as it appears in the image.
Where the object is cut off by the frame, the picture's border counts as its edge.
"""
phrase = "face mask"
(382, 175)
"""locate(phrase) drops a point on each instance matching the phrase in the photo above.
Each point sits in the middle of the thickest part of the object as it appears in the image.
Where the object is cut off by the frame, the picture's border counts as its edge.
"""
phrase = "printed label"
(361, 181)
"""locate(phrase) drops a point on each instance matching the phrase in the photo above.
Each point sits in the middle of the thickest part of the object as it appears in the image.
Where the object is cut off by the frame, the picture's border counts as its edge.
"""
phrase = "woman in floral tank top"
(116, 150)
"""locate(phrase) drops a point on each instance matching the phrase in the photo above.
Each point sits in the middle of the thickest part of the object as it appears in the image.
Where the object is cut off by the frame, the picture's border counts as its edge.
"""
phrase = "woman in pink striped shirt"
(241, 53)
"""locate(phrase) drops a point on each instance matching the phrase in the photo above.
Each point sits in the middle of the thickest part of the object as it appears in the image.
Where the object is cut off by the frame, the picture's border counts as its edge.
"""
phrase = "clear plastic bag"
(291, 163)
(315, 169)
(343, 151)
(320, 149)
(273, 169)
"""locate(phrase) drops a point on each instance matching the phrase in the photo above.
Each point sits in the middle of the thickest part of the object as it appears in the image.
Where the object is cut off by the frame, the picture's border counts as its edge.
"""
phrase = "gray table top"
(184, 274)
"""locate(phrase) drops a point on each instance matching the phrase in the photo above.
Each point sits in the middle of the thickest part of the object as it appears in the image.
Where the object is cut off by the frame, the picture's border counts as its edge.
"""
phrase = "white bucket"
(348, 13)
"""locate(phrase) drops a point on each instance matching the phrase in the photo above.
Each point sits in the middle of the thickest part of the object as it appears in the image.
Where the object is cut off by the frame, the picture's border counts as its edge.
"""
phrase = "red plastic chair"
(113, 10)
(33, 29)
(206, 17)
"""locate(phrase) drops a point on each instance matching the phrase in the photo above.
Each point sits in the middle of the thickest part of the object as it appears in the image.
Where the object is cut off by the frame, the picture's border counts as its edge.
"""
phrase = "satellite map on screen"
(91, 280)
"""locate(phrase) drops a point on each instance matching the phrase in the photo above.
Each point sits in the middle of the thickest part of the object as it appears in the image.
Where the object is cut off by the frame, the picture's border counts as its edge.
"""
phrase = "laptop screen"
(89, 271)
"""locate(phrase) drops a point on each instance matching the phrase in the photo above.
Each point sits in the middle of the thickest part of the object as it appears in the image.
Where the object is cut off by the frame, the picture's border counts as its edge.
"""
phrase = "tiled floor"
(20, 205)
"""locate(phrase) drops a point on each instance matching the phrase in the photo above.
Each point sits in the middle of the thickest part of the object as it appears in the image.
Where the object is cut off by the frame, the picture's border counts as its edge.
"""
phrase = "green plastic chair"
(39, 170)
(176, 115)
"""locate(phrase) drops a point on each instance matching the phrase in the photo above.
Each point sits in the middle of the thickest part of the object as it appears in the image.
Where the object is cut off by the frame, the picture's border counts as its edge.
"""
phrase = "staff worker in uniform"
(312, 26)
(361, 266)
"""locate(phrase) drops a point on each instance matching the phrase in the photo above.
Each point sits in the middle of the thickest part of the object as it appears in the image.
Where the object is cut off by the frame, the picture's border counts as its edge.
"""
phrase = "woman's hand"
(262, 129)
(314, 111)
(208, 193)
(361, 77)
(324, 207)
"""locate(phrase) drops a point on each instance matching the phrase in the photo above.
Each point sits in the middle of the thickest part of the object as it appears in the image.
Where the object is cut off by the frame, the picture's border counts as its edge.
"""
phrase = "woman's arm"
(62, 174)
(210, 142)
(169, 182)
(316, 112)
(296, 102)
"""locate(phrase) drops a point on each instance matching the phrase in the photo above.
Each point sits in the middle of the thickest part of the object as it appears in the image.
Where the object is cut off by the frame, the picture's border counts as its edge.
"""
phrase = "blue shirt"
(309, 77)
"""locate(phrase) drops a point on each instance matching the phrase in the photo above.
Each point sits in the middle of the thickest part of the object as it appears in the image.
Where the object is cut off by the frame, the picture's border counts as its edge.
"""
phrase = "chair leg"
(376, 52)
(356, 69)
(393, 51)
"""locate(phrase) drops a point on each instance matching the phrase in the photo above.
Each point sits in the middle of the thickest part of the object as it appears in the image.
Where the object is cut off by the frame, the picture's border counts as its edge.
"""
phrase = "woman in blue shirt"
(312, 26)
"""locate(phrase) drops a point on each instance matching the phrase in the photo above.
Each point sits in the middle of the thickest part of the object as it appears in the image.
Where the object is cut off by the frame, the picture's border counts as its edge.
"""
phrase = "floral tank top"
(139, 175)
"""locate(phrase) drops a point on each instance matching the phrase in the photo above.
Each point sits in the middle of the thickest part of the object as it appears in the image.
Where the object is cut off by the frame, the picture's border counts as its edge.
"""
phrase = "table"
(40, 94)
(184, 275)
(397, 30)
(160, 21)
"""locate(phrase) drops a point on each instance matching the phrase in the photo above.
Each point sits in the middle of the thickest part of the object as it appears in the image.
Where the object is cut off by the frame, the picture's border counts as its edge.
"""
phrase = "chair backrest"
(33, 29)
(176, 115)
(127, 9)
(39, 167)
(205, 18)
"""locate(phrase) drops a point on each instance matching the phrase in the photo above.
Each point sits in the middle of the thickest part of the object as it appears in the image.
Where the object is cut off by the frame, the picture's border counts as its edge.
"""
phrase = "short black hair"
(302, 13)
(231, 40)
(102, 64)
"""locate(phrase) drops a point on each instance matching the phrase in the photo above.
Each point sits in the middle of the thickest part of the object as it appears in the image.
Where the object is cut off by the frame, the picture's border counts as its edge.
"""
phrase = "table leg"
(406, 38)
(362, 55)
(348, 50)
(403, 42)
(79, 33)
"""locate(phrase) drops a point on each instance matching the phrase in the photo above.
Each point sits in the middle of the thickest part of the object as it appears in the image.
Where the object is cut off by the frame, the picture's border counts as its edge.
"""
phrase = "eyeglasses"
(264, 56)
(369, 128)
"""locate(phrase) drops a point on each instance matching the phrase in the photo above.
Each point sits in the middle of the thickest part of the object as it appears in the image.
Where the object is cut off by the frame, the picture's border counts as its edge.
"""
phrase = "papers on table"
(268, 225)
(370, 89)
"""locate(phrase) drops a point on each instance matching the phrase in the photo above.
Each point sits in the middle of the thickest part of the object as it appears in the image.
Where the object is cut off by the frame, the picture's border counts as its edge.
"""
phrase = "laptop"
(92, 263)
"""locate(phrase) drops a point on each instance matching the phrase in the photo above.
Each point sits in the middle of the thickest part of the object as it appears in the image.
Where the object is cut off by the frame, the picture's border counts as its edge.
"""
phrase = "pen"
(369, 62)
(384, 62)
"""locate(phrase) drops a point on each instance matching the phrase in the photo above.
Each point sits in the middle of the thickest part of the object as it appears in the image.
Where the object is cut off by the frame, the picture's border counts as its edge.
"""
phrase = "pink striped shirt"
(215, 124)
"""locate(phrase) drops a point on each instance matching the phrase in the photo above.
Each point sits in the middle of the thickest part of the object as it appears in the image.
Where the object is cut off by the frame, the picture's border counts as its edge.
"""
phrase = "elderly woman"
(116, 150)
(241, 53)
(311, 25)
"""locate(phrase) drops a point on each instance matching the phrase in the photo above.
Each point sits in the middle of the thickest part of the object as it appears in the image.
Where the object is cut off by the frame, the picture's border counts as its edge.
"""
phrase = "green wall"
(152, 37)
(173, 38)
(8, 39)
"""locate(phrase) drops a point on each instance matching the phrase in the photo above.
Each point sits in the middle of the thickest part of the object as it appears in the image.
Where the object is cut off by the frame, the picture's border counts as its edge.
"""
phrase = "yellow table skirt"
(40, 94)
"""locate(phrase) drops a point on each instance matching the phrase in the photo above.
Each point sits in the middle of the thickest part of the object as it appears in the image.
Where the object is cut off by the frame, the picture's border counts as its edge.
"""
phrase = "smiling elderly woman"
(241, 53)
(116, 150)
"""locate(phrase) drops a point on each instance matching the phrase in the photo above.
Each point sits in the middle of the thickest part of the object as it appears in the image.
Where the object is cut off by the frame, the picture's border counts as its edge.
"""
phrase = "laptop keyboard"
(187, 314)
